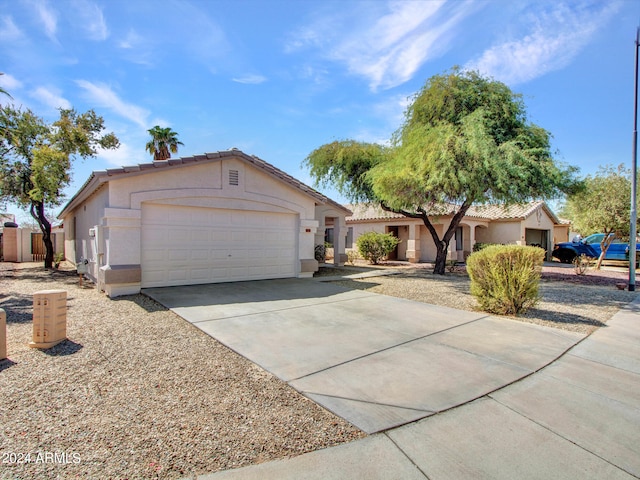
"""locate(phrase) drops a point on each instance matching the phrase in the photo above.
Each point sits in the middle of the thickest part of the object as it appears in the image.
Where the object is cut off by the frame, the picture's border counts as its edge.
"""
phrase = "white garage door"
(189, 245)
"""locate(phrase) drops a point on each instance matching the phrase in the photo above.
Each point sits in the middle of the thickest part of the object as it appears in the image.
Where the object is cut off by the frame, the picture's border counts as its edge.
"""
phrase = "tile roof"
(363, 211)
(99, 177)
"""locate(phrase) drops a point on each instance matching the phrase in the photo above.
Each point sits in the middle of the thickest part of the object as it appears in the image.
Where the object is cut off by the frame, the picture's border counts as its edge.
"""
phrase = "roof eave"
(97, 178)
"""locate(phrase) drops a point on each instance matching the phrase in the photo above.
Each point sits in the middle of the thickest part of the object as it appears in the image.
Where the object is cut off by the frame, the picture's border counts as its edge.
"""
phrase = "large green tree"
(163, 143)
(465, 139)
(35, 159)
(603, 205)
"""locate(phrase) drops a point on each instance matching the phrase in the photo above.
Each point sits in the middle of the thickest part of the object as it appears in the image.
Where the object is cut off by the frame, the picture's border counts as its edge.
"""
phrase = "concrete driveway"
(376, 361)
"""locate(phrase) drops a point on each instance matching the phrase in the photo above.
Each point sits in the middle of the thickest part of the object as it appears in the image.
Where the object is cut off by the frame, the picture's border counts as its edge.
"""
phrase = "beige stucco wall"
(16, 244)
(560, 233)
(79, 244)
(10, 244)
(482, 234)
(427, 247)
(505, 232)
(539, 221)
(360, 228)
(24, 242)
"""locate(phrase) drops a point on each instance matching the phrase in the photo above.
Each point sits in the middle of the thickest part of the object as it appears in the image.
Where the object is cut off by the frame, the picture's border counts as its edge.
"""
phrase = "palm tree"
(2, 90)
(163, 143)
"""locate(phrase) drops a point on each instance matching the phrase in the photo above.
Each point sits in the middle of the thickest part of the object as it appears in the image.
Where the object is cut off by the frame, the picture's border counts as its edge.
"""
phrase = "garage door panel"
(177, 275)
(200, 255)
(187, 245)
(200, 235)
(201, 273)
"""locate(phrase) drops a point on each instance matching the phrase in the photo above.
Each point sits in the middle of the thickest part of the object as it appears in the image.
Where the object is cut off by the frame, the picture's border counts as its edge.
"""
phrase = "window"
(328, 236)
(349, 241)
(459, 242)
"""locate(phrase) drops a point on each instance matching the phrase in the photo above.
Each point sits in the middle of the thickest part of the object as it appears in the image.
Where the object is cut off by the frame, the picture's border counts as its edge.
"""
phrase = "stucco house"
(216, 217)
(523, 224)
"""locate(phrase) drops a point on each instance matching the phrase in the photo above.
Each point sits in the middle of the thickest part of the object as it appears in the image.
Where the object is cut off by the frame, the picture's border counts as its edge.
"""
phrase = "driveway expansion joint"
(406, 342)
(285, 309)
(553, 432)
(602, 363)
(406, 456)
(369, 402)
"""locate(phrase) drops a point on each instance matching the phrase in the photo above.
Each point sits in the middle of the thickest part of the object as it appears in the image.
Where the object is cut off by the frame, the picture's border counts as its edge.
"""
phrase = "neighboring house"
(525, 224)
(217, 217)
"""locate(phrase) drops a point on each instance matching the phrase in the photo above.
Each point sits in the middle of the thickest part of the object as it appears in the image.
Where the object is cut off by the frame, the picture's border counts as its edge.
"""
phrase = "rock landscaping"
(137, 392)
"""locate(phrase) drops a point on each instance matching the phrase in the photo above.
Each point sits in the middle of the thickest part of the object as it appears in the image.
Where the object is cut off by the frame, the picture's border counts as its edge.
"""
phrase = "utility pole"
(634, 172)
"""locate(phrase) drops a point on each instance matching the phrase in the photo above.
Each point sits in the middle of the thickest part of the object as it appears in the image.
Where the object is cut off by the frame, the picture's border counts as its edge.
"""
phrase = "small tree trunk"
(604, 246)
(442, 245)
(441, 258)
(37, 212)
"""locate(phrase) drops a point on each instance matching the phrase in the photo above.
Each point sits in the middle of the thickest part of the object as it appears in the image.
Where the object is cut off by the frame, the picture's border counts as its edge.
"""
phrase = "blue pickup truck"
(566, 252)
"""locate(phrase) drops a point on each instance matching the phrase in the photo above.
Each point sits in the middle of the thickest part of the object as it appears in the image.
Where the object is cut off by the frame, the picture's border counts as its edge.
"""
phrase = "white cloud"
(125, 155)
(48, 17)
(9, 82)
(9, 30)
(130, 41)
(385, 46)
(555, 36)
(250, 79)
(91, 19)
(137, 49)
(105, 97)
(50, 97)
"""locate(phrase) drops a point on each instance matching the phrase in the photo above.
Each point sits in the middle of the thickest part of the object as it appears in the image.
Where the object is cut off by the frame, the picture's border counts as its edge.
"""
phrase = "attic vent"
(233, 177)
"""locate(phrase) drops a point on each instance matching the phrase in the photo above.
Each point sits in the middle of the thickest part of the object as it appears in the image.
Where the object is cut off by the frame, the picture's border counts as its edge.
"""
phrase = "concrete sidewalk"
(486, 406)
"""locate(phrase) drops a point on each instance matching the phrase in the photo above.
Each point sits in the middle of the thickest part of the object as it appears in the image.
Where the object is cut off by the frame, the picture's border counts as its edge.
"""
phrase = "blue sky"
(278, 78)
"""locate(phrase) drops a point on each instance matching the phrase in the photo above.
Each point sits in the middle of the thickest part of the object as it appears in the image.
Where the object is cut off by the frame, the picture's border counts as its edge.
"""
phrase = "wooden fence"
(37, 248)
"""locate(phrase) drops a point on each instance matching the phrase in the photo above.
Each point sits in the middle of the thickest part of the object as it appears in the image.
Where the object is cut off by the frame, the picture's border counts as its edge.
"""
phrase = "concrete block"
(3, 334)
(49, 318)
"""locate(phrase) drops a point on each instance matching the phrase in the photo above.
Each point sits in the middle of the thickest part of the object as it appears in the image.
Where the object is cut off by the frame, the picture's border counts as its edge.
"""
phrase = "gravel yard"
(137, 392)
(579, 303)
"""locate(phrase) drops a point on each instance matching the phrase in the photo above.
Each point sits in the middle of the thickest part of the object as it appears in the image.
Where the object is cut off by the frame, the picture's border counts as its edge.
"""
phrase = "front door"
(394, 254)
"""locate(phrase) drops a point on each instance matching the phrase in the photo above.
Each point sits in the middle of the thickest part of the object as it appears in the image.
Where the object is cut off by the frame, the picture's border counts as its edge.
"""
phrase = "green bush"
(375, 246)
(352, 256)
(505, 278)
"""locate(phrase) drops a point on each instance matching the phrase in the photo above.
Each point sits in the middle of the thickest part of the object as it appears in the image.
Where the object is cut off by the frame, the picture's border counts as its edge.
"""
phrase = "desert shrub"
(352, 256)
(375, 246)
(320, 253)
(582, 263)
(479, 246)
(505, 278)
